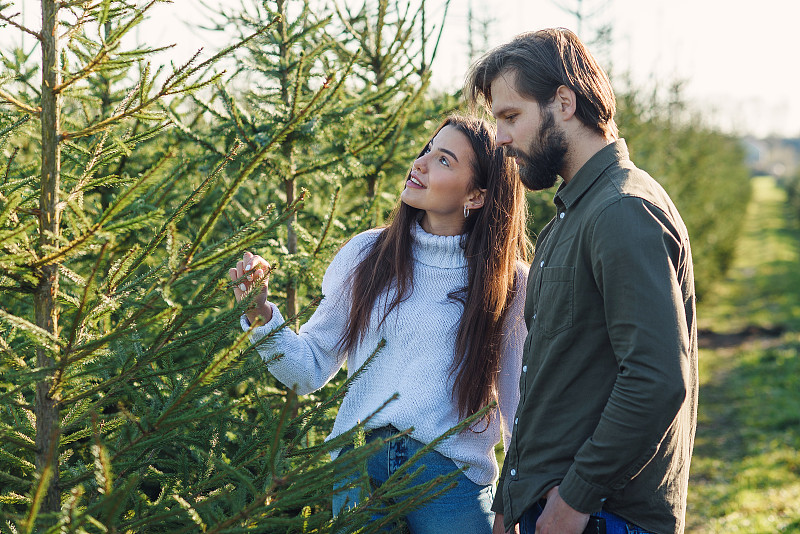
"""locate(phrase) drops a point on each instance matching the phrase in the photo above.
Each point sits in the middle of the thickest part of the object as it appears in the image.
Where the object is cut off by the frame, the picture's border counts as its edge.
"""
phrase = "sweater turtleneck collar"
(437, 250)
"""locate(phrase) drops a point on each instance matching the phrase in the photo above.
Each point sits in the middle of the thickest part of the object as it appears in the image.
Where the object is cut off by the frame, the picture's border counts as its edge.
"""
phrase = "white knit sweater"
(420, 336)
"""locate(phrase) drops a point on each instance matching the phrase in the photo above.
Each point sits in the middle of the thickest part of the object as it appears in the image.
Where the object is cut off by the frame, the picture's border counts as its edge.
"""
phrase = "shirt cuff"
(259, 332)
(584, 497)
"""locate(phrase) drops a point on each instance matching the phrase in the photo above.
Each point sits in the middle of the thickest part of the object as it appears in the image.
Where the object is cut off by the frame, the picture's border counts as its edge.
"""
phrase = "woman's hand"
(249, 272)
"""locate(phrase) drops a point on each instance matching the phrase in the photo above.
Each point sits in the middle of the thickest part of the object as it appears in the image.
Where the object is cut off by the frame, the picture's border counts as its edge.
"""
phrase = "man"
(607, 414)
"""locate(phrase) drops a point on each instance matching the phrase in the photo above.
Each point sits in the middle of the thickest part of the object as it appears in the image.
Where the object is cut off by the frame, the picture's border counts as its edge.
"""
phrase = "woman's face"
(440, 183)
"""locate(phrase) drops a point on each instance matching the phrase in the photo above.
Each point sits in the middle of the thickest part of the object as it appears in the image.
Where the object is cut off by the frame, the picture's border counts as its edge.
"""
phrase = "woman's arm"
(306, 360)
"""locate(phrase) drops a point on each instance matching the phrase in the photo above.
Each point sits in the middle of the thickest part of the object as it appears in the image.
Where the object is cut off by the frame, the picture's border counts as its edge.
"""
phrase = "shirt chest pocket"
(556, 300)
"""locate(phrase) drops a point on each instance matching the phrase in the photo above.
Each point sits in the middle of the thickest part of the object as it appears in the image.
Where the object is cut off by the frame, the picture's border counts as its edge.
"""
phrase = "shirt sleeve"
(308, 359)
(638, 259)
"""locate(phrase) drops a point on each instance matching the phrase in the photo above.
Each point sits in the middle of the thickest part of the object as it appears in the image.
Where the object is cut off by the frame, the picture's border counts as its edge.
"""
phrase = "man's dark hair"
(542, 61)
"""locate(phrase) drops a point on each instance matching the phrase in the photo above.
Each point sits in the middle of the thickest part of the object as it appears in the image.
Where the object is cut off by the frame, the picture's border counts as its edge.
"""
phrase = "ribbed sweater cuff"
(260, 331)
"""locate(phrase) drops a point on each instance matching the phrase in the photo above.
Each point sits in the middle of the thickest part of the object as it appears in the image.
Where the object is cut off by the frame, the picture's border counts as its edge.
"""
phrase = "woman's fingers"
(238, 292)
(250, 268)
(257, 268)
(247, 260)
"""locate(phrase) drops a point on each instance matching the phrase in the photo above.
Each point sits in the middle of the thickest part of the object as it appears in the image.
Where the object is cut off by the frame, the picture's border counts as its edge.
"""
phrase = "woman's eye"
(443, 161)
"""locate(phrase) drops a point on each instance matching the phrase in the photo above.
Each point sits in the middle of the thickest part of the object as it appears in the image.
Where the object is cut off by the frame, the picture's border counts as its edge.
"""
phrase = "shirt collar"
(569, 193)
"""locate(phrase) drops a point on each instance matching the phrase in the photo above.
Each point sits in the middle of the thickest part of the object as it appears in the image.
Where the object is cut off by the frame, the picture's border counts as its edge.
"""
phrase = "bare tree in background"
(592, 24)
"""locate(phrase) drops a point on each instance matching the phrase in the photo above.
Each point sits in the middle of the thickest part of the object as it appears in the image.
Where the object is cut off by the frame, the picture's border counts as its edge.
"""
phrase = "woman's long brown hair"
(493, 238)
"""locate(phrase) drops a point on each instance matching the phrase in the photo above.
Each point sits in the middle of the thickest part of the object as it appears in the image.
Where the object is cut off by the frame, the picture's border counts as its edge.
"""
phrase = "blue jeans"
(464, 508)
(614, 523)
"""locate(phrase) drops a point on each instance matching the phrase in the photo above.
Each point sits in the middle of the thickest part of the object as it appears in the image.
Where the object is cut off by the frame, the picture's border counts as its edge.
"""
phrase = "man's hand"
(560, 518)
(498, 527)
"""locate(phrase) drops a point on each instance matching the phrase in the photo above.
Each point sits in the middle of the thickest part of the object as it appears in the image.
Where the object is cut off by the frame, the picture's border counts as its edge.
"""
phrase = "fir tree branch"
(76, 322)
(21, 105)
(217, 365)
(11, 355)
(87, 70)
(341, 391)
(279, 432)
(174, 119)
(184, 206)
(42, 337)
(10, 20)
(251, 167)
(132, 323)
(120, 202)
(234, 246)
(40, 491)
(171, 85)
(328, 220)
(11, 435)
(236, 114)
(11, 128)
(107, 46)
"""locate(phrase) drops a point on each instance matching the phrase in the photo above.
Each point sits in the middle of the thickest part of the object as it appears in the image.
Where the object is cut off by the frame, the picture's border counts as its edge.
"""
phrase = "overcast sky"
(737, 59)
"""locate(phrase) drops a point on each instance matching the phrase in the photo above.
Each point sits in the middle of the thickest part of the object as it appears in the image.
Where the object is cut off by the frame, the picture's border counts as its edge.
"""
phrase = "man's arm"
(636, 253)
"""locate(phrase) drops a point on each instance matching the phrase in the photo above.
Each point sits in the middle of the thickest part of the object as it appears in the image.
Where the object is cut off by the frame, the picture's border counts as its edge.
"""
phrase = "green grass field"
(746, 466)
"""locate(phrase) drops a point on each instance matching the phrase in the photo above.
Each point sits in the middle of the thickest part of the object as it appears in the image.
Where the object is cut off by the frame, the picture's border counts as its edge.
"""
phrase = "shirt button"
(534, 316)
(541, 264)
(561, 215)
(513, 472)
(524, 368)
(516, 420)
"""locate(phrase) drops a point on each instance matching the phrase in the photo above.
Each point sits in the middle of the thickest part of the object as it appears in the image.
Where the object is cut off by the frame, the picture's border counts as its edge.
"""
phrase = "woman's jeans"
(464, 508)
(614, 523)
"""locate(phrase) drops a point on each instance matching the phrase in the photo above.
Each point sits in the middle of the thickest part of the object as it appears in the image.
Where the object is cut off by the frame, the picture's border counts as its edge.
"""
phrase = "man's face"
(528, 133)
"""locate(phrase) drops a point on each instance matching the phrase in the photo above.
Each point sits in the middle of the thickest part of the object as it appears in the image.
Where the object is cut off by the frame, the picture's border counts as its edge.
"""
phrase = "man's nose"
(502, 137)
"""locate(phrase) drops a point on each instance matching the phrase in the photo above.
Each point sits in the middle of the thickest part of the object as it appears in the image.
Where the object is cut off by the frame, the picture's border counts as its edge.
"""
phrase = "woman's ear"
(476, 199)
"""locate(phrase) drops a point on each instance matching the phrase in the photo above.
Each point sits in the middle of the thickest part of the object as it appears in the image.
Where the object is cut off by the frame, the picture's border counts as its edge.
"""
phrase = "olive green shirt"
(608, 392)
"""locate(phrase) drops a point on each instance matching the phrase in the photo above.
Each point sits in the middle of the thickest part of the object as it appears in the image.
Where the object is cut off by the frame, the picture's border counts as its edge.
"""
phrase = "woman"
(444, 285)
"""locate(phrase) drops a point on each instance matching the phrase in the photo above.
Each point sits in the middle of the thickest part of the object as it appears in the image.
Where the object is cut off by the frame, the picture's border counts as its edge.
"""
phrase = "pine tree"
(129, 401)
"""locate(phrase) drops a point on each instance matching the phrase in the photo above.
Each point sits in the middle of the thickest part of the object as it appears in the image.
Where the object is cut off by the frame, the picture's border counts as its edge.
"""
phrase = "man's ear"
(566, 102)
(476, 198)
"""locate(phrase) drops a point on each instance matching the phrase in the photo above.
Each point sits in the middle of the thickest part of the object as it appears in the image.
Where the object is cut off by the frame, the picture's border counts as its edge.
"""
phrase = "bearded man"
(605, 426)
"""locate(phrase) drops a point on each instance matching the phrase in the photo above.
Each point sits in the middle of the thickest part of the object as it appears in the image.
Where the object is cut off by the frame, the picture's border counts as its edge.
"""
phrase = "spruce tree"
(130, 399)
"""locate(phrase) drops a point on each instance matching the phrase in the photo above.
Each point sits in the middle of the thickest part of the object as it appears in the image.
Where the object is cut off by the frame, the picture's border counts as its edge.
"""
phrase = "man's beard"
(539, 167)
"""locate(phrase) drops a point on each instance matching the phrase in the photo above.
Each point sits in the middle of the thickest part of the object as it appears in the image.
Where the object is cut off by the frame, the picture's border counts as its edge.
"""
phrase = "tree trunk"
(289, 184)
(291, 245)
(45, 306)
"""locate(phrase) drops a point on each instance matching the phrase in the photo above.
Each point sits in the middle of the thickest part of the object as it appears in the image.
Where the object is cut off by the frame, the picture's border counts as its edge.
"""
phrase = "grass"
(746, 467)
